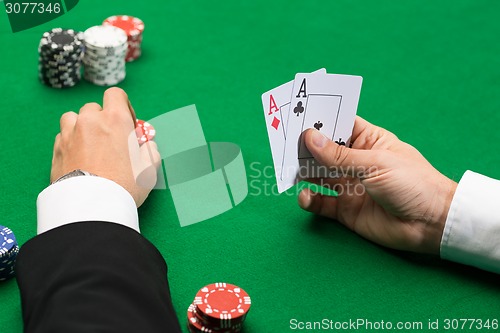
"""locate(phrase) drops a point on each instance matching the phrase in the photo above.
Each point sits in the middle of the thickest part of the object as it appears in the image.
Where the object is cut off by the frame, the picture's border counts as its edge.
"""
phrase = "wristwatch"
(74, 173)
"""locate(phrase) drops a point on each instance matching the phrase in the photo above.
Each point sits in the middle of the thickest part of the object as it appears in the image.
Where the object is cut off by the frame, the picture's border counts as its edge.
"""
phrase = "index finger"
(360, 125)
(115, 100)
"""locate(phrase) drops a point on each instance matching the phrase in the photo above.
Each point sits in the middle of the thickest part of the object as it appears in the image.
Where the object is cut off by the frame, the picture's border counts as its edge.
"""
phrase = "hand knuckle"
(115, 91)
(340, 154)
(118, 118)
(84, 121)
(66, 114)
(90, 105)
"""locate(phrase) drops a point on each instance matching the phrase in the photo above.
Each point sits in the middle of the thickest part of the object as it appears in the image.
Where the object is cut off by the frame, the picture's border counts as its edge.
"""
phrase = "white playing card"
(321, 113)
(276, 103)
(327, 103)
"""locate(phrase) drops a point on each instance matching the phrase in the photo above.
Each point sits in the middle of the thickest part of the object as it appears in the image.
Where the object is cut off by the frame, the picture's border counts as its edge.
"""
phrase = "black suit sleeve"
(94, 277)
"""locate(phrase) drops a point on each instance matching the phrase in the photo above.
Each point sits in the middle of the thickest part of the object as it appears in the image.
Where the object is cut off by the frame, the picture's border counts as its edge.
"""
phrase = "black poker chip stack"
(60, 58)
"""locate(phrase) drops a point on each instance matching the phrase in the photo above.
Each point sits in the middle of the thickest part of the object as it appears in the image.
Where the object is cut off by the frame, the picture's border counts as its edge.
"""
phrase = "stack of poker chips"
(145, 131)
(134, 28)
(60, 54)
(8, 253)
(104, 58)
(218, 307)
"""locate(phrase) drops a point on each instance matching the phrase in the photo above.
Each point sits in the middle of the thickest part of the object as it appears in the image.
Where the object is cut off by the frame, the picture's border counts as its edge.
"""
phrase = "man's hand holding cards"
(326, 102)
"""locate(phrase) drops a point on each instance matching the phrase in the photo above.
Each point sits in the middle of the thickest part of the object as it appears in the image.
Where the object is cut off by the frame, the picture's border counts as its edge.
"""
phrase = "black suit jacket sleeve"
(94, 277)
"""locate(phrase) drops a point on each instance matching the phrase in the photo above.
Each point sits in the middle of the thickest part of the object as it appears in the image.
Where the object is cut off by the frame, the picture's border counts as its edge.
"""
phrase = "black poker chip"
(60, 58)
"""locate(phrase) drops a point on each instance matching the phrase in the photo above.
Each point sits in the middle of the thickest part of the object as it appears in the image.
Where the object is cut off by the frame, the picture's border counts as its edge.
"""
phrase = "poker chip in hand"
(145, 131)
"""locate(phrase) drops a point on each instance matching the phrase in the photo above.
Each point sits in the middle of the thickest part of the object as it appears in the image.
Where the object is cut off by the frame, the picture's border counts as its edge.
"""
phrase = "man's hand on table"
(99, 140)
(405, 202)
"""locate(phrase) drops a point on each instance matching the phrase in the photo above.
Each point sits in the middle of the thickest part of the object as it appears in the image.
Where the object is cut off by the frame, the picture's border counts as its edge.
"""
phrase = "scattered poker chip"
(218, 307)
(194, 324)
(145, 131)
(197, 324)
(7, 240)
(104, 57)
(222, 302)
(8, 253)
(60, 54)
(133, 28)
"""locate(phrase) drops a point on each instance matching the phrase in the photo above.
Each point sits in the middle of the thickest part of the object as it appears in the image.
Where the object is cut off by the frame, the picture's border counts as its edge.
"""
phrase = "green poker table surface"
(431, 74)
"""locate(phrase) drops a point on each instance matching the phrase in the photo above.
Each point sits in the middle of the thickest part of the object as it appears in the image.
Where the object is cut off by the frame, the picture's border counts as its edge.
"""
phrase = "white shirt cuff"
(472, 231)
(85, 198)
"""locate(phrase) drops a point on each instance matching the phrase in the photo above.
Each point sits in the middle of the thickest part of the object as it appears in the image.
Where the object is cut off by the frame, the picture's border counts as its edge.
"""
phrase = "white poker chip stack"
(104, 58)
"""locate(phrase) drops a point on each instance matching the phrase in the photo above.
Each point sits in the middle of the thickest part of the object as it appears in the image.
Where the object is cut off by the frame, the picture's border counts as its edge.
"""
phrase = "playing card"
(322, 114)
(327, 103)
(276, 103)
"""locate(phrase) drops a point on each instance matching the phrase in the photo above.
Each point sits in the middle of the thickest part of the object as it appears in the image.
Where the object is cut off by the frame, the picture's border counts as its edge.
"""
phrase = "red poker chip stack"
(218, 308)
(145, 131)
(134, 28)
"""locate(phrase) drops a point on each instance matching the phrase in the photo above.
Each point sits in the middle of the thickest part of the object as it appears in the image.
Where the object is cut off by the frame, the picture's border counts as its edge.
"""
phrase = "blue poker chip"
(8, 253)
(7, 264)
(12, 255)
(7, 274)
(7, 241)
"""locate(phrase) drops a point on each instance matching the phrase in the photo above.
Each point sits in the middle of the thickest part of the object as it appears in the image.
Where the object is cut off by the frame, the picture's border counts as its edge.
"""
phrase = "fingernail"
(304, 199)
(318, 139)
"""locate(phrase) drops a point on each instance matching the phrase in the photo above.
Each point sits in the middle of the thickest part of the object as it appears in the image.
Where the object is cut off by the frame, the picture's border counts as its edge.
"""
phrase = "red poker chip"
(133, 27)
(222, 304)
(145, 131)
(218, 324)
(214, 326)
(195, 324)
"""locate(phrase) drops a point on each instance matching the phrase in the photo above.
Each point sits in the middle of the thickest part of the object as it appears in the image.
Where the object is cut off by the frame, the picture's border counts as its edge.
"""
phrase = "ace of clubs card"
(327, 103)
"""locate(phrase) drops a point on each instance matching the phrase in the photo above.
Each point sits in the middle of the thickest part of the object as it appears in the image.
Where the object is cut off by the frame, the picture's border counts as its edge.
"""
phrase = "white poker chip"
(105, 52)
(104, 36)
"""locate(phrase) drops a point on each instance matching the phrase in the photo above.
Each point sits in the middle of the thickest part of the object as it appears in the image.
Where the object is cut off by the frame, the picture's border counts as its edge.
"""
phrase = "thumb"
(348, 161)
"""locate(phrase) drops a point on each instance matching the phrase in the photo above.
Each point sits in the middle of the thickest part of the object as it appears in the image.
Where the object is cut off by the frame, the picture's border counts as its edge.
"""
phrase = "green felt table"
(431, 74)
